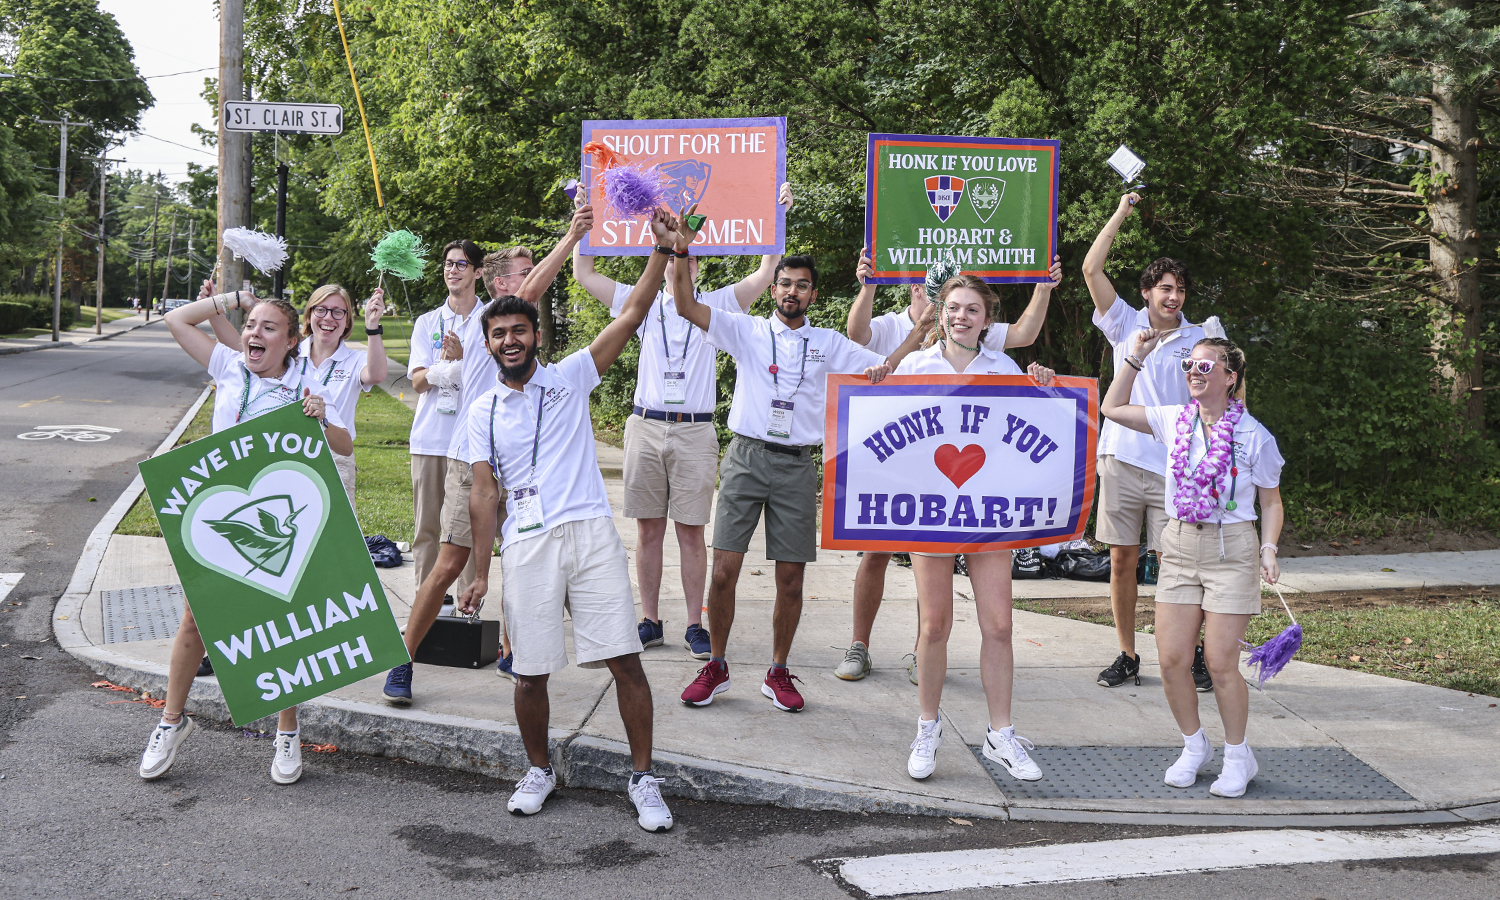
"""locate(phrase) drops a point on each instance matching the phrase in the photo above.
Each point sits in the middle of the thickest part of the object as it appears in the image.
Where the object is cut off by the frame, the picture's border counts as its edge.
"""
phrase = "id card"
(779, 423)
(528, 508)
(674, 388)
(447, 402)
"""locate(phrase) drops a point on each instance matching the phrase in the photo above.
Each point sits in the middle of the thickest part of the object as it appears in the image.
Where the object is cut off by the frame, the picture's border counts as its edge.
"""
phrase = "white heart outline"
(190, 515)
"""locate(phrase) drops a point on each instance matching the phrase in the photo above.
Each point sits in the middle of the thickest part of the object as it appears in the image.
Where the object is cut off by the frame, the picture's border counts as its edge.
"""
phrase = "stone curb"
(49, 345)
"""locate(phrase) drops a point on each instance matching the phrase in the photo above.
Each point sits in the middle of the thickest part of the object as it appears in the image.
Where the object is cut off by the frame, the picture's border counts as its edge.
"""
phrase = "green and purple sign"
(988, 204)
(273, 563)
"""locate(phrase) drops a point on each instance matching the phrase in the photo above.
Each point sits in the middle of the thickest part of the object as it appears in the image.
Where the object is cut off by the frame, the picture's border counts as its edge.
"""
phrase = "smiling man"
(1131, 486)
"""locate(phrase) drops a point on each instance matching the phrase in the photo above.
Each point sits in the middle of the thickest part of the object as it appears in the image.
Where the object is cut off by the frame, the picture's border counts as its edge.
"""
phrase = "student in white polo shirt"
(1131, 486)
(671, 448)
(329, 360)
(561, 554)
(883, 335)
(782, 364)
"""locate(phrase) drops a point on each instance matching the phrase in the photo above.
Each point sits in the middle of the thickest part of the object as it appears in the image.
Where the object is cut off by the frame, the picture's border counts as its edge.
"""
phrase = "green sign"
(987, 204)
(273, 563)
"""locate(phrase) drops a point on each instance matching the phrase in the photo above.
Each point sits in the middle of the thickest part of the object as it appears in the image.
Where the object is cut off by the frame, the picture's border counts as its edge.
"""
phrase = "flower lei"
(1197, 491)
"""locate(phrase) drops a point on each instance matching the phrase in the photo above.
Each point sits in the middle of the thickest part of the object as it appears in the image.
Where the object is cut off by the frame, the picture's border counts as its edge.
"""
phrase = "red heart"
(959, 465)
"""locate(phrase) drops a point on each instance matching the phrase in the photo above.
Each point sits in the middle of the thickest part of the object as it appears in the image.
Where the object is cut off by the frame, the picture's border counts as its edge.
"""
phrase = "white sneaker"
(1239, 767)
(531, 792)
(651, 810)
(910, 660)
(1009, 750)
(161, 749)
(923, 757)
(286, 765)
(856, 664)
(1196, 753)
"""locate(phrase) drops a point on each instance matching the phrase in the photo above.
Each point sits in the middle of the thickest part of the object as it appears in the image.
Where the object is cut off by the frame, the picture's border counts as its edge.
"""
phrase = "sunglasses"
(1201, 366)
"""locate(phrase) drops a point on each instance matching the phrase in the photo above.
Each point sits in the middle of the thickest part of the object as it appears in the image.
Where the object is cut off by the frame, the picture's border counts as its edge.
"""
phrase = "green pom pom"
(400, 254)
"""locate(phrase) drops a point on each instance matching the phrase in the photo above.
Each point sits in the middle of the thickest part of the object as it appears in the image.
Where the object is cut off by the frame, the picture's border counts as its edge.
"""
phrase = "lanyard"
(325, 377)
(775, 379)
(666, 345)
(536, 441)
(246, 402)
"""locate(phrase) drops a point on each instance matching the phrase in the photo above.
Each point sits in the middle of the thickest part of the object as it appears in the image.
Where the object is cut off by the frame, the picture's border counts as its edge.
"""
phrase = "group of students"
(502, 444)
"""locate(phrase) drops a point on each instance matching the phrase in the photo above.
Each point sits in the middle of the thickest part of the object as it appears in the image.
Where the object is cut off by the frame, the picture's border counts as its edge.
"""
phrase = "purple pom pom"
(1273, 655)
(633, 192)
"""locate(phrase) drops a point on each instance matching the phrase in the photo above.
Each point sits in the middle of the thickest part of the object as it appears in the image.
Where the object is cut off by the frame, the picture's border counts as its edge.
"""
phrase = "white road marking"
(930, 873)
(8, 582)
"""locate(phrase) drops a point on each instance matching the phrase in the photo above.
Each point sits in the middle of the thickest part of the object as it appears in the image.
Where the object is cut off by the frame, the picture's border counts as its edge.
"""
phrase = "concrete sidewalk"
(1335, 746)
(77, 336)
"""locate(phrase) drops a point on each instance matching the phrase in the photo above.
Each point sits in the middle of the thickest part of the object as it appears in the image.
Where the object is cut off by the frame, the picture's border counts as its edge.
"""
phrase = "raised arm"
(543, 273)
(600, 287)
(607, 347)
(857, 326)
(683, 295)
(375, 368)
(1025, 330)
(224, 329)
(183, 323)
(755, 284)
(1116, 405)
(1100, 287)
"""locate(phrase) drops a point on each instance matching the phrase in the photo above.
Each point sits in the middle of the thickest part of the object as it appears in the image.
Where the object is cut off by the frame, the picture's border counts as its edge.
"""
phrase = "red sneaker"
(712, 679)
(779, 688)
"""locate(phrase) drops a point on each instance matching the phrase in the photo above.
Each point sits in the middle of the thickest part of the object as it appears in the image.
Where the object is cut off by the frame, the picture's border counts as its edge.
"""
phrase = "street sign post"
(283, 118)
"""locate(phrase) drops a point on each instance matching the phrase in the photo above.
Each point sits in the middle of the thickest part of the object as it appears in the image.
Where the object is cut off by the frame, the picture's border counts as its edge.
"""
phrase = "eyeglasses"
(521, 274)
(1203, 366)
(457, 265)
(323, 312)
(801, 287)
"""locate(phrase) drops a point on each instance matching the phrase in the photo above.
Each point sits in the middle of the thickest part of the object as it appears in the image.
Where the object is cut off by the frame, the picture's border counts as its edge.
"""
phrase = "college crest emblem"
(944, 193)
(985, 195)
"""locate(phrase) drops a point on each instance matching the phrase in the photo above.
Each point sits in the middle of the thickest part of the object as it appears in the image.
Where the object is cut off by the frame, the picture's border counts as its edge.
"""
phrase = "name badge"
(527, 508)
(779, 423)
(447, 402)
(674, 388)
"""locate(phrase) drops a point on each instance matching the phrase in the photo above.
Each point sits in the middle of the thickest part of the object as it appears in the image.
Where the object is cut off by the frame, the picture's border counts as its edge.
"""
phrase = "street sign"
(287, 118)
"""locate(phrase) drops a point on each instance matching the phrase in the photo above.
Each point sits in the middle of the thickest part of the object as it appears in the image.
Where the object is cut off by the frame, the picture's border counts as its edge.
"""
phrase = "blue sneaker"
(696, 640)
(650, 632)
(502, 666)
(398, 685)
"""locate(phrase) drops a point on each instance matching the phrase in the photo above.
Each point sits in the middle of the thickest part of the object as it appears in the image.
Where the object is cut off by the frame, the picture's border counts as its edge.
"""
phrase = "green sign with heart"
(273, 563)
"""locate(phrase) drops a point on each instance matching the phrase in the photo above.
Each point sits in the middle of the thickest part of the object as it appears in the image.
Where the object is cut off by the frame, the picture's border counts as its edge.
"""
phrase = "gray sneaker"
(856, 664)
(911, 666)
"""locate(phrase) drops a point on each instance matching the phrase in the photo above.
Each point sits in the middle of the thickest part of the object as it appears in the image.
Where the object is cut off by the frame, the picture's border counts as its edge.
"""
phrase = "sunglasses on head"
(1202, 366)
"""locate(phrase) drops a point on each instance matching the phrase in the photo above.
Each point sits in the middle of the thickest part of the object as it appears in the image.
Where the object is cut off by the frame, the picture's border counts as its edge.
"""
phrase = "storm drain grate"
(142, 614)
(1135, 773)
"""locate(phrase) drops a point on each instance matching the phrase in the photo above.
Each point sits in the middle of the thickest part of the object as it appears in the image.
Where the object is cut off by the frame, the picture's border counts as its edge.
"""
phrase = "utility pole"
(151, 260)
(99, 280)
(166, 280)
(62, 186)
(190, 293)
(234, 154)
(276, 280)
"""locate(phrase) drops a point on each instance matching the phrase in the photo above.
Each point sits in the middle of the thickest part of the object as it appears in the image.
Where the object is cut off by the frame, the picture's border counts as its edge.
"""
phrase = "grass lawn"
(397, 338)
(111, 314)
(382, 491)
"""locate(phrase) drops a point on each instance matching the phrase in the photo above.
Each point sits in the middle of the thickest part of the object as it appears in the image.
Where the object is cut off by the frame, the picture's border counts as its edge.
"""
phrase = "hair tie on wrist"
(1273, 547)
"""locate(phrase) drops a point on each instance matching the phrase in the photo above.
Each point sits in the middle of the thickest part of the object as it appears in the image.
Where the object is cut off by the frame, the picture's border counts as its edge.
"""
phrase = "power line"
(101, 80)
(175, 144)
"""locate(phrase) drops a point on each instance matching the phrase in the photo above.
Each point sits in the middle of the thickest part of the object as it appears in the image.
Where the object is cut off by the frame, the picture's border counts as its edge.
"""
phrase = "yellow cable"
(357, 99)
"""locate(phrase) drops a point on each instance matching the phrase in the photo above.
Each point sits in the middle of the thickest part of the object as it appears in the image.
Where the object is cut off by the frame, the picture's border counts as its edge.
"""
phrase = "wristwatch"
(661, 249)
(378, 329)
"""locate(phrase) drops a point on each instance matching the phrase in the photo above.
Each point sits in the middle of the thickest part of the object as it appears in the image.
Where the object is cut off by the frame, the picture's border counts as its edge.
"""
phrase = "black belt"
(774, 448)
(672, 416)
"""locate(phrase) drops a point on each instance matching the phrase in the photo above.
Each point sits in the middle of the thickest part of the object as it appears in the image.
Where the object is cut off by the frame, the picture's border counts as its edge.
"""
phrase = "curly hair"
(1234, 361)
(318, 296)
(1166, 266)
(973, 283)
(289, 312)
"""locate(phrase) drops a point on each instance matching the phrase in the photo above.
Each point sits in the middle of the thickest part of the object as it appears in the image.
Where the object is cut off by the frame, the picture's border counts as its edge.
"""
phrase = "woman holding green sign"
(262, 377)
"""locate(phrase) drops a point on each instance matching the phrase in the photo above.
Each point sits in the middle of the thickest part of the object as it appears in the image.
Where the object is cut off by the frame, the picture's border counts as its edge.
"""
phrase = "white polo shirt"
(670, 343)
(479, 369)
(432, 431)
(567, 468)
(888, 331)
(932, 362)
(1256, 457)
(340, 374)
(240, 394)
(804, 359)
(1161, 381)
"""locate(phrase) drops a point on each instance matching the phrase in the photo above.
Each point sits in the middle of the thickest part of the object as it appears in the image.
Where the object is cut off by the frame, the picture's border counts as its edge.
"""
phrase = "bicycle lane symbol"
(83, 434)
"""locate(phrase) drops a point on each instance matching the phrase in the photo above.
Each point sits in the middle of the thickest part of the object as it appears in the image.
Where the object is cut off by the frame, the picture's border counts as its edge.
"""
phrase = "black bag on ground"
(383, 551)
(1028, 563)
(460, 642)
(1083, 565)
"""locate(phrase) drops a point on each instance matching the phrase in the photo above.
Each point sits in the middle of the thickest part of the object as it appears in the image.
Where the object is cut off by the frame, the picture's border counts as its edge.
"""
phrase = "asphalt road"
(79, 823)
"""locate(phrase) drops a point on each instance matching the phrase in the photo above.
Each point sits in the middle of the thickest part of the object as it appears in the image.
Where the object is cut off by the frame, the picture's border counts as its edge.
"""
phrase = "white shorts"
(580, 567)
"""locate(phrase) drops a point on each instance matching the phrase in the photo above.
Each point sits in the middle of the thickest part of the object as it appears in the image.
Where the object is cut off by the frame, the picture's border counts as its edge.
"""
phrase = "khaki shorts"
(752, 478)
(1192, 573)
(346, 467)
(670, 469)
(427, 476)
(579, 568)
(1127, 495)
(455, 518)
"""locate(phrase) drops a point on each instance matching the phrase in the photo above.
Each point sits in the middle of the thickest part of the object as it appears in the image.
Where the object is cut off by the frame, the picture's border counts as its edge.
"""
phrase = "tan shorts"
(346, 467)
(670, 468)
(1192, 573)
(455, 519)
(427, 476)
(579, 568)
(1127, 495)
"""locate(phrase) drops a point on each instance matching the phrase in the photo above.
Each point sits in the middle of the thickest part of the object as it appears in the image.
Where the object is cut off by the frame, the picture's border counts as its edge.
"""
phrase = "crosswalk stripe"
(930, 873)
(8, 582)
